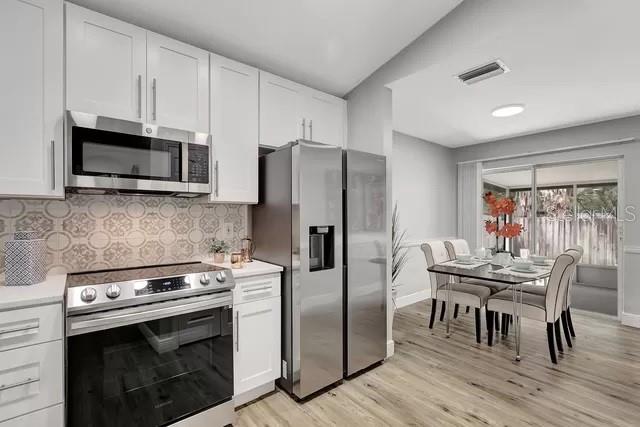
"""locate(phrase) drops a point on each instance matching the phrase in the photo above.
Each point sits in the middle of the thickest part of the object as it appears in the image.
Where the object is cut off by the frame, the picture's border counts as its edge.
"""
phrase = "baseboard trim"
(629, 319)
(390, 348)
(413, 298)
(253, 394)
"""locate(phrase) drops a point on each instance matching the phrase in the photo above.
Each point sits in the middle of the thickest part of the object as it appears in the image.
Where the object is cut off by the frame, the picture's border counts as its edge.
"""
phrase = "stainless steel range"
(150, 346)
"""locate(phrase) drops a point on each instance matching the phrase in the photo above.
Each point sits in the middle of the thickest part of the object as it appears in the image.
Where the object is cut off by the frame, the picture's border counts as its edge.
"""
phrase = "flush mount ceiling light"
(508, 110)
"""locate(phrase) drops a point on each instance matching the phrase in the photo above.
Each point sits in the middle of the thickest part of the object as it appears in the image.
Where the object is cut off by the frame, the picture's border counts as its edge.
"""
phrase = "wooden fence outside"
(598, 237)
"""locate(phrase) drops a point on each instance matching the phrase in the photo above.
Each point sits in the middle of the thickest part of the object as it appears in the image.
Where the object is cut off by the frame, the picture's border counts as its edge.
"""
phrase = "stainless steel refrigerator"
(365, 256)
(333, 297)
(298, 224)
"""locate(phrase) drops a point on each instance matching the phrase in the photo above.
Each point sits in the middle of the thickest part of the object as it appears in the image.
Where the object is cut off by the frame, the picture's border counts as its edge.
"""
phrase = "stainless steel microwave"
(111, 155)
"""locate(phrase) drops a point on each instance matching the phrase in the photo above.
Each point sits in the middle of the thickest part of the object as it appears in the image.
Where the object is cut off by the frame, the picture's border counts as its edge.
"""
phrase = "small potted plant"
(219, 248)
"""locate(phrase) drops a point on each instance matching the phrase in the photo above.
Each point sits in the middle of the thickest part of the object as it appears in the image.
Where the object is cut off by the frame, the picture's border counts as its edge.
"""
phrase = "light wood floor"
(435, 381)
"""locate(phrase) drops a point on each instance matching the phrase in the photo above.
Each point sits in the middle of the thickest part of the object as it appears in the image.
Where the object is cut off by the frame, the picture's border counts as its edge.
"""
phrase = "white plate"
(521, 269)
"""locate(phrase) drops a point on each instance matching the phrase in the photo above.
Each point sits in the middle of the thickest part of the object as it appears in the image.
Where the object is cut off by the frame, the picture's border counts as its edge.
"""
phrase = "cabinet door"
(106, 65)
(31, 100)
(257, 358)
(177, 84)
(281, 104)
(325, 116)
(234, 126)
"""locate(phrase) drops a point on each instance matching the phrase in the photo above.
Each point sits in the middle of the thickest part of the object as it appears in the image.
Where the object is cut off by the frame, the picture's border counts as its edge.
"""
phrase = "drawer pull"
(263, 288)
(16, 331)
(18, 384)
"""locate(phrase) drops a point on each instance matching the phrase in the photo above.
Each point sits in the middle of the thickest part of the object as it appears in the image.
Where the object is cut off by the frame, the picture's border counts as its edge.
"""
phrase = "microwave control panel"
(198, 164)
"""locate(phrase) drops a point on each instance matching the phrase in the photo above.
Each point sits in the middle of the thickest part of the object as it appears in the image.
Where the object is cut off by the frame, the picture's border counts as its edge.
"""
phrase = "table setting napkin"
(533, 274)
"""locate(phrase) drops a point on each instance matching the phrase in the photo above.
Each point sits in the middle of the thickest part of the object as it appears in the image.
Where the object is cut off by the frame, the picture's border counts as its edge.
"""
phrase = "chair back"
(454, 247)
(435, 252)
(561, 272)
(580, 252)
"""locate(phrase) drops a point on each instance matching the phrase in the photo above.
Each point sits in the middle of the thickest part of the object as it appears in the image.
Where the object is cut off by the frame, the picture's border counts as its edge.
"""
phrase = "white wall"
(582, 143)
(424, 187)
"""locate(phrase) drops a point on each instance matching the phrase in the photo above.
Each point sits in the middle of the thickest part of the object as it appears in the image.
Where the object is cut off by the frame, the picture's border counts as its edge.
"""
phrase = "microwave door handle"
(185, 162)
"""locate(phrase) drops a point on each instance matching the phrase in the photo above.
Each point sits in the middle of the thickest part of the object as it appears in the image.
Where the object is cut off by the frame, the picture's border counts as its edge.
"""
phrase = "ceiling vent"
(483, 72)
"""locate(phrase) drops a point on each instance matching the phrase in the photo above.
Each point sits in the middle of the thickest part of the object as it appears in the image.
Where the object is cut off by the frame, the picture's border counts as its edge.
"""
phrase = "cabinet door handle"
(215, 176)
(53, 164)
(154, 90)
(237, 331)
(304, 128)
(139, 96)
(310, 130)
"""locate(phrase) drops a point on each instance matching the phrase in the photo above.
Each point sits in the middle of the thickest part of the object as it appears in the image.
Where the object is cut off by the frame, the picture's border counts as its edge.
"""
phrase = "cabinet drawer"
(30, 326)
(256, 288)
(49, 417)
(31, 378)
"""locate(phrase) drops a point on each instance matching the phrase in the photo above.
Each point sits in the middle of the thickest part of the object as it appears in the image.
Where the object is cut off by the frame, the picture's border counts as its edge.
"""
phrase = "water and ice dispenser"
(321, 248)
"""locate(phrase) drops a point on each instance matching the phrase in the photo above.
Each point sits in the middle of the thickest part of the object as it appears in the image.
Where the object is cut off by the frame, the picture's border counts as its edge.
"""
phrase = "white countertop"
(254, 268)
(48, 292)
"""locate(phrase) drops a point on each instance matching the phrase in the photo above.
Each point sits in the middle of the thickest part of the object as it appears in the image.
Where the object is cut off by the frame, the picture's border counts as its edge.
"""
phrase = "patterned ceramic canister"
(25, 262)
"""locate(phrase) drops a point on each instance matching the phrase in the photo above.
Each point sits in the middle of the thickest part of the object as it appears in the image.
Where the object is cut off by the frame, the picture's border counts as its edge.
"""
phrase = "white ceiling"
(331, 45)
(572, 62)
(600, 171)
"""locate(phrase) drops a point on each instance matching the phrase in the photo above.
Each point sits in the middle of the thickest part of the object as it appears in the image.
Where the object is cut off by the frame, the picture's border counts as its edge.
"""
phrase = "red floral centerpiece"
(501, 207)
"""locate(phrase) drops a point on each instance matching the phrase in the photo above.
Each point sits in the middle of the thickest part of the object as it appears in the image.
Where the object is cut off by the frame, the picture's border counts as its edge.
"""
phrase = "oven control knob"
(221, 277)
(88, 294)
(113, 291)
(204, 279)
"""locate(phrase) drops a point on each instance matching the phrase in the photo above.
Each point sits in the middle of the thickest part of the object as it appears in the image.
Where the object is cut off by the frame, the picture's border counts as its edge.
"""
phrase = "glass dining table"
(493, 273)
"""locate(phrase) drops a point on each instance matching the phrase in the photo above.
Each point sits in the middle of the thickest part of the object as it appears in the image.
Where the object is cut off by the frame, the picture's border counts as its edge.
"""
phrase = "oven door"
(151, 365)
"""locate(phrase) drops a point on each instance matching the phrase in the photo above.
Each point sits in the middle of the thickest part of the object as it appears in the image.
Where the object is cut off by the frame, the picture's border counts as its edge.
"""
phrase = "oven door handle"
(82, 324)
(184, 167)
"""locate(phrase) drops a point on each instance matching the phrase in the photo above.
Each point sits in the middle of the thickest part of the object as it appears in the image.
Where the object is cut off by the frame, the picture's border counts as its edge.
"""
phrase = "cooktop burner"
(103, 290)
(97, 277)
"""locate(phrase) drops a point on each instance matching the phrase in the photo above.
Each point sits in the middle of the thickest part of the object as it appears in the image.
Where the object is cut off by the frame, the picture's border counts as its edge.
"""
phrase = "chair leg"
(552, 350)
(467, 309)
(478, 325)
(434, 307)
(556, 326)
(505, 325)
(444, 306)
(455, 311)
(565, 326)
(511, 319)
(496, 319)
(490, 317)
(573, 333)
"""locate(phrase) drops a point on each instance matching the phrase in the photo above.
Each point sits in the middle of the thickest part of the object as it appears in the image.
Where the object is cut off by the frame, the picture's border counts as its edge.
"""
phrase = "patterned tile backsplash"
(111, 231)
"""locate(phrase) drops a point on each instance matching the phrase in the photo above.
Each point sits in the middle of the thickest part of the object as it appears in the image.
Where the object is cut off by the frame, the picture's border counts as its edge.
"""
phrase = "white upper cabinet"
(325, 118)
(106, 65)
(31, 98)
(289, 111)
(234, 126)
(281, 103)
(118, 70)
(177, 84)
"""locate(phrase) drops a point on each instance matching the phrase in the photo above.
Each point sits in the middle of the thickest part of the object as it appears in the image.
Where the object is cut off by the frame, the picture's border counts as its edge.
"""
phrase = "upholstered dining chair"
(545, 308)
(474, 296)
(460, 246)
(567, 323)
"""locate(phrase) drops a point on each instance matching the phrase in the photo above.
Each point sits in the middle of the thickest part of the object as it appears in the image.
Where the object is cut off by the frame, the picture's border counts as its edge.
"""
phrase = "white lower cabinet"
(48, 417)
(32, 367)
(257, 346)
